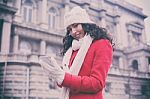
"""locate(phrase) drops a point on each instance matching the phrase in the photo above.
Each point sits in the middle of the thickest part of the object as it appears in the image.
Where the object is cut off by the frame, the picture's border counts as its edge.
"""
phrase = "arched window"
(135, 64)
(52, 18)
(28, 10)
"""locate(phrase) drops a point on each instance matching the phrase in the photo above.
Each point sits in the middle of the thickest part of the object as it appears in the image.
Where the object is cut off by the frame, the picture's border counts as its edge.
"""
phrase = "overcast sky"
(145, 5)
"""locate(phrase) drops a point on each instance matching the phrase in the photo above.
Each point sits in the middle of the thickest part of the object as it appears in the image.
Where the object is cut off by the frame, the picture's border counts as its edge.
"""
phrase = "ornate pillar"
(16, 42)
(6, 13)
(42, 47)
(6, 37)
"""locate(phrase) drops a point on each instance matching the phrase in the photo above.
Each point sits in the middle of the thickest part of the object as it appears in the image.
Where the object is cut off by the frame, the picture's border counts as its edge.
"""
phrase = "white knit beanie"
(76, 15)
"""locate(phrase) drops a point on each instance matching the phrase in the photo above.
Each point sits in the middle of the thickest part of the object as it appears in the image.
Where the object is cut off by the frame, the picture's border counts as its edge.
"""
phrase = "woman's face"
(76, 31)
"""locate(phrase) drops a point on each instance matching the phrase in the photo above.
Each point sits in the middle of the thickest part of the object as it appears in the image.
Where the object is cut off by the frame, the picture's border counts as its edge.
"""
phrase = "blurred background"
(30, 28)
(144, 4)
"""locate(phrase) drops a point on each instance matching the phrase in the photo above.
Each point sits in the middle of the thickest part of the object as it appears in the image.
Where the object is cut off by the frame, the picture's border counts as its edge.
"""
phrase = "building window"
(1, 30)
(136, 37)
(149, 63)
(149, 60)
(28, 11)
(52, 18)
(127, 88)
(115, 61)
(52, 84)
(144, 89)
(107, 87)
(135, 64)
(135, 33)
(5, 1)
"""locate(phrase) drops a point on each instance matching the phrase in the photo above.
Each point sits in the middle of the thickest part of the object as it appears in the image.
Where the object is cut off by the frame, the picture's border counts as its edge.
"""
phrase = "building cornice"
(138, 48)
(7, 9)
(128, 6)
(37, 34)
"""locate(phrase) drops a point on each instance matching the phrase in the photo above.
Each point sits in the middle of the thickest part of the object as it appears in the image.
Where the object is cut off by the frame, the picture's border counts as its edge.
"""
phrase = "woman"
(87, 51)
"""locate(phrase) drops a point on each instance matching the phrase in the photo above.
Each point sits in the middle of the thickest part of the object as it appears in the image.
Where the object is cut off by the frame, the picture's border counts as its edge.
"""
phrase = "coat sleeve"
(96, 81)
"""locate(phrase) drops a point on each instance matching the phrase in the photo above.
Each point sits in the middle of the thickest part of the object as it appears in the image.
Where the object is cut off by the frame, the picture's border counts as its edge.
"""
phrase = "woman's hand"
(50, 65)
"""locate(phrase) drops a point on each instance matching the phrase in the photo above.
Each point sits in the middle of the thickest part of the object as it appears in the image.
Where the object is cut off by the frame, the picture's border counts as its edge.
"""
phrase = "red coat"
(92, 76)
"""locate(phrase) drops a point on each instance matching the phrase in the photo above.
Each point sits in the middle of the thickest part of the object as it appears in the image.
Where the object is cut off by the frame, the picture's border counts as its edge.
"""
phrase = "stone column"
(6, 37)
(42, 48)
(130, 39)
(144, 39)
(142, 65)
(66, 9)
(103, 20)
(18, 13)
(121, 63)
(118, 32)
(44, 22)
(34, 16)
(16, 42)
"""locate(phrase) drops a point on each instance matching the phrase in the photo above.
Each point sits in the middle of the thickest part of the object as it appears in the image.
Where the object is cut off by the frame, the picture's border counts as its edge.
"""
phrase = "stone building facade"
(29, 28)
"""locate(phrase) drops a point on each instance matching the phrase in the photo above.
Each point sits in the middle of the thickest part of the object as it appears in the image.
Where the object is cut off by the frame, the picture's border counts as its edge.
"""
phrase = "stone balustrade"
(129, 73)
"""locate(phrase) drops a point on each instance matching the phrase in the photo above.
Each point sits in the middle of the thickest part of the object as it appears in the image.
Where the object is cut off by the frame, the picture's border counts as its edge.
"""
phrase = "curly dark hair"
(93, 30)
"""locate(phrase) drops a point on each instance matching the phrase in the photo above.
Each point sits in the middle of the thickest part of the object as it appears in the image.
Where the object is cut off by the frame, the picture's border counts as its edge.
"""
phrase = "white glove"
(50, 65)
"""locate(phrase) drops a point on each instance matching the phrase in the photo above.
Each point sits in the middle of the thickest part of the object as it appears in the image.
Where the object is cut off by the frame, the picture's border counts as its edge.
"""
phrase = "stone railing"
(18, 58)
(130, 73)
(13, 58)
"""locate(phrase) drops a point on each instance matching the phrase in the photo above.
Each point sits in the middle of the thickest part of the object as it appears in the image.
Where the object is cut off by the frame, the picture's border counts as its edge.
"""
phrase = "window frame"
(52, 16)
(28, 14)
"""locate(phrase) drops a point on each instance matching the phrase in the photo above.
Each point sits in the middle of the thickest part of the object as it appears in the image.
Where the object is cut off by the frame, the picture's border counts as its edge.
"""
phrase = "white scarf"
(76, 44)
(77, 63)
